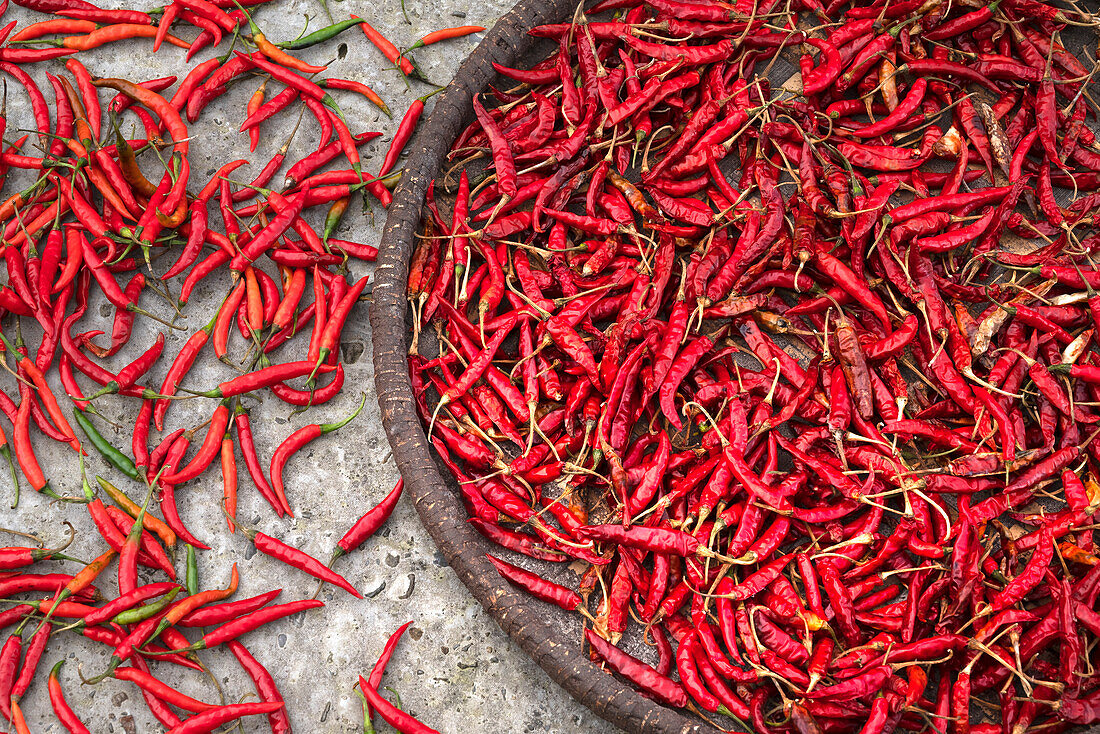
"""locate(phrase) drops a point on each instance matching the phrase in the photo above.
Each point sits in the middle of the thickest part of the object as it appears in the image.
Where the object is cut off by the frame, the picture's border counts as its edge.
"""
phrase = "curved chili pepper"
(265, 686)
(209, 449)
(829, 68)
(359, 87)
(296, 441)
(60, 706)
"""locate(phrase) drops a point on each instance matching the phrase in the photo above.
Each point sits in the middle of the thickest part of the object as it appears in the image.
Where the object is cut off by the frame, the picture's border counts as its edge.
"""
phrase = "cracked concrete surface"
(455, 669)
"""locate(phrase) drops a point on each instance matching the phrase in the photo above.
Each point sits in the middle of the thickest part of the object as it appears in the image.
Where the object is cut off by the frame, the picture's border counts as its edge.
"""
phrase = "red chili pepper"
(215, 717)
(502, 155)
(128, 555)
(404, 133)
(368, 524)
(60, 706)
(160, 690)
(234, 629)
(827, 70)
(335, 323)
(271, 233)
(294, 442)
(209, 449)
(213, 614)
(265, 377)
(394, 716)
(375, 678)
(537, 586)
(128, 601)
(638, 672)
(296, 559)
(265, 686)
(24, 451)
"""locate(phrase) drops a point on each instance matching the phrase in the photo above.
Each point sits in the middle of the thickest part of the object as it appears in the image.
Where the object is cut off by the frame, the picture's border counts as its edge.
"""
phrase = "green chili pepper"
(321, 35)
(368, 725)
(140, 614)
(89, 493)
(114, 457)
(191, 576)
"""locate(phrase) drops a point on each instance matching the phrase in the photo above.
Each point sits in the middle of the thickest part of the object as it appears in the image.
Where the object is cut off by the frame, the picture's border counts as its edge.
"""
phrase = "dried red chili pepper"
(638, 672)
(538, 587)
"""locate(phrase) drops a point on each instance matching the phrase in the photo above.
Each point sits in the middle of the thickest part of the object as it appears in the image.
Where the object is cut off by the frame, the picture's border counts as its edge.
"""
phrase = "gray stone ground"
(456, 669)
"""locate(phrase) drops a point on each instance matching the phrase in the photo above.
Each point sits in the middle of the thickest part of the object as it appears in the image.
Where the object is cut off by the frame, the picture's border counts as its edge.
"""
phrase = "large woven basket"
(552, 640)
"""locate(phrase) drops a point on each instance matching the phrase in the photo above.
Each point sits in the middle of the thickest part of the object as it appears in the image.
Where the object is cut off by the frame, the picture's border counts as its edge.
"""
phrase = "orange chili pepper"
(384, 45)
(353, 86)
(185, 606)
(255, 307)
(281, 57)
(82, 131)
(229, 481)
(177, 217)
(254, 103)
(104, 187)
(131, 508)
(446, 34)
(82, 580)
(51, 27)
(1076, 554)
(17, 719)
(45, 394)
(130, 169)
(117, 32)
(168, 114)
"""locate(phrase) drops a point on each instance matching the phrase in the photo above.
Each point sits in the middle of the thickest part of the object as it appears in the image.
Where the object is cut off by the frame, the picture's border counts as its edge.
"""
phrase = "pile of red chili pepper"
(127, 220)
(802, 378)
